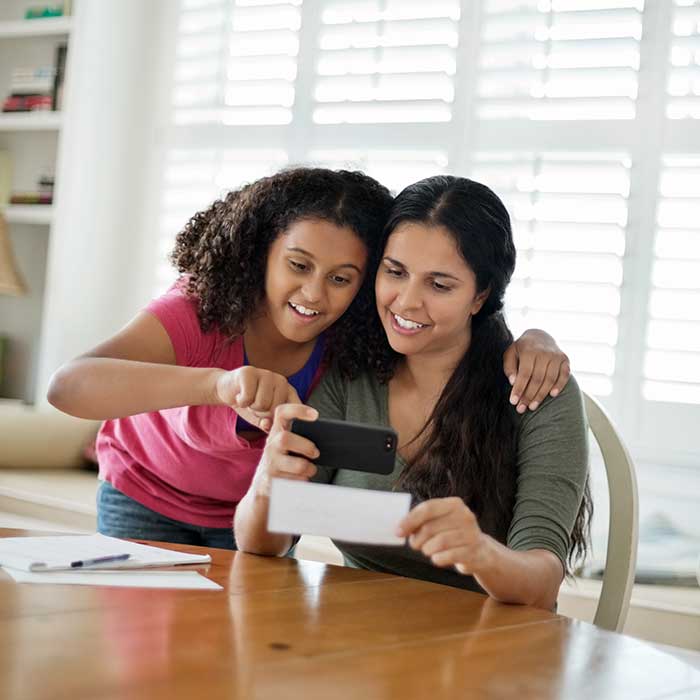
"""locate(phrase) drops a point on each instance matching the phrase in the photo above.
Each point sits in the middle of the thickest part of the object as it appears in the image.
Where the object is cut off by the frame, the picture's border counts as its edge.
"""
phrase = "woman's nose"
(410, 297)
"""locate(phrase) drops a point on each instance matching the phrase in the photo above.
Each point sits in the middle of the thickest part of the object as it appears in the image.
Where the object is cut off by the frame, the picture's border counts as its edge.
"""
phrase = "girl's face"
(426, 292)
(314, 270)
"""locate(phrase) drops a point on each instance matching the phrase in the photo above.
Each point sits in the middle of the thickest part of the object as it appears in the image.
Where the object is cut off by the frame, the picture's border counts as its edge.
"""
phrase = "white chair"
(623, 531)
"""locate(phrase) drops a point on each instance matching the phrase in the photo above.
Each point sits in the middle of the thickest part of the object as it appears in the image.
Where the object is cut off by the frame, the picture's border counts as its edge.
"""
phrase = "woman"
(501, 498)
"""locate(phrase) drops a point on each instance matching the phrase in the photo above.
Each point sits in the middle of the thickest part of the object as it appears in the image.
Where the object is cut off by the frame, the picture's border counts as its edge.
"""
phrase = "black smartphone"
(343, 445)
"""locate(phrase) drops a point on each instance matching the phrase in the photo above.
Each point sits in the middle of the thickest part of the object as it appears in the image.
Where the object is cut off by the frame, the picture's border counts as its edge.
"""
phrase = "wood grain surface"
(283, 628)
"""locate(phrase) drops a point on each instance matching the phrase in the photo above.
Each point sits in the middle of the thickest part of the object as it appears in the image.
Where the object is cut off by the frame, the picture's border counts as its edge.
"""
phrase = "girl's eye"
(337, 279)
(393, 271)
(297, 265)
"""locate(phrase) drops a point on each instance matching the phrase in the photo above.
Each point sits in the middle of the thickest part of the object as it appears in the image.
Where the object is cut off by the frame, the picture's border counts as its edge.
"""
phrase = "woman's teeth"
(408, 325)
(303, 310)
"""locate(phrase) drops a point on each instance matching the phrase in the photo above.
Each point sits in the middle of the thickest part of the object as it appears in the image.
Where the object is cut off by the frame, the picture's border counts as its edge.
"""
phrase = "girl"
(501, 497)
(272, 289)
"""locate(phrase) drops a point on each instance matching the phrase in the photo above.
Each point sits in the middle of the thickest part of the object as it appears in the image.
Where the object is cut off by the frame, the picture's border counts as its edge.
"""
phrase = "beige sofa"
(41, 438)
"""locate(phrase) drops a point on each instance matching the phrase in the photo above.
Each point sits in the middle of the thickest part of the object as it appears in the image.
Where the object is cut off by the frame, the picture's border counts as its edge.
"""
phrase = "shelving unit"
(50, 26)
(31, 121)
(29, 214)
(33, 141)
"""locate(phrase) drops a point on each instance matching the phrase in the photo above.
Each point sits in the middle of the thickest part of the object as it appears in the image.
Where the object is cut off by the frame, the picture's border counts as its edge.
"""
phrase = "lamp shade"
(11, 281)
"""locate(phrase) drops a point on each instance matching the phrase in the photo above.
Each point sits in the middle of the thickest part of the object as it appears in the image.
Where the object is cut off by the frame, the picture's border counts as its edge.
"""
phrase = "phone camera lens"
(389, 443)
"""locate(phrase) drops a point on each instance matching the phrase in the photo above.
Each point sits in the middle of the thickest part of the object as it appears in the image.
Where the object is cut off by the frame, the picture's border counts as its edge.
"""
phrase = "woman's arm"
(552, 466)
(446, 531)
(135, 372)
(250, 520)
(286, 456)
(536, 368)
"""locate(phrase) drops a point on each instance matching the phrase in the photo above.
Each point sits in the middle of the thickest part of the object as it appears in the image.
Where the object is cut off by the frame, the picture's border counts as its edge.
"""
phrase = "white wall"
(102, 169)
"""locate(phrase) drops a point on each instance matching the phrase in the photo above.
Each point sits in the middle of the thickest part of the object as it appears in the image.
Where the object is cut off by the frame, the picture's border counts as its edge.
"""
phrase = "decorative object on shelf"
(43, 11)
(42, 195)
(11, 280)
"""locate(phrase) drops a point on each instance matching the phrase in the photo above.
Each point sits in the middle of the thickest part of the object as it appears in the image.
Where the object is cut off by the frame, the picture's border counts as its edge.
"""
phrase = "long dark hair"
(468, 446)
(222, 251)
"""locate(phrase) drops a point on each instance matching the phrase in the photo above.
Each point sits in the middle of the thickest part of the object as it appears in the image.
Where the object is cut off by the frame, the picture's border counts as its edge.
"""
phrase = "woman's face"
(314, 270)
(426, 292)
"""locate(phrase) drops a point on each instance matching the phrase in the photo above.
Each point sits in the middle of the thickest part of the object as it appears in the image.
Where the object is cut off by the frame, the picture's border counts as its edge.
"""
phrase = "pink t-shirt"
(185, 463)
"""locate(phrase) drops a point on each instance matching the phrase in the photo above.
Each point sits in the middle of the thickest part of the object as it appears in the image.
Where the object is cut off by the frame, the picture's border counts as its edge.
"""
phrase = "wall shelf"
(49, 26)
(29, 214)
(30, 121)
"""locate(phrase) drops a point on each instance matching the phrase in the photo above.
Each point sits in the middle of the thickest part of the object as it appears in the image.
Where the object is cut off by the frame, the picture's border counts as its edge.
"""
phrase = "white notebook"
(59, 552)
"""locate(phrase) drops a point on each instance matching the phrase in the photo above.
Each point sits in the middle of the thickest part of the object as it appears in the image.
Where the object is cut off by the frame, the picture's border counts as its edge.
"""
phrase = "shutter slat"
(672, 357)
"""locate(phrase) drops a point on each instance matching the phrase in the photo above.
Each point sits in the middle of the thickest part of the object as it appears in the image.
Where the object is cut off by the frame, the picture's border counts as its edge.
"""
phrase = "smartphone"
(343, 445)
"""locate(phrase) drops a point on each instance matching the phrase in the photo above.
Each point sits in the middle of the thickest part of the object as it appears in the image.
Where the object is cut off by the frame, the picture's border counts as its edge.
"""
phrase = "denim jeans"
(121, 516)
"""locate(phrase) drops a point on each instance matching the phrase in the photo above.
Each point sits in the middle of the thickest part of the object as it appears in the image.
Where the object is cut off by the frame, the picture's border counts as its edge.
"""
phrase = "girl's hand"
(286, 454)
(447, 532)
(535, 366)
(255, 394)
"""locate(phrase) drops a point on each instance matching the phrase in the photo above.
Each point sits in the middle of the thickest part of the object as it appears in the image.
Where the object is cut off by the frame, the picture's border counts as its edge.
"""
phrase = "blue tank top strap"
(300, 380)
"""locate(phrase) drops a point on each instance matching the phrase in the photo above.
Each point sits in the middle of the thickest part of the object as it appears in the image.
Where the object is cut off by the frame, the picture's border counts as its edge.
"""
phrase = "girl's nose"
(313, 290)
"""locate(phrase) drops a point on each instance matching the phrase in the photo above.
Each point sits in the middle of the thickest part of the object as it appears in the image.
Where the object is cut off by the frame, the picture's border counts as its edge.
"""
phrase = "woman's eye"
(297, 265)
(337, 279)
(393, 271)
(441, 287)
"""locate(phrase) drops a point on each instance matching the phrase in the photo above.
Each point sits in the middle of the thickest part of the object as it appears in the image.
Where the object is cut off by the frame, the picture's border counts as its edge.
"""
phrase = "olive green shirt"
(552, 465)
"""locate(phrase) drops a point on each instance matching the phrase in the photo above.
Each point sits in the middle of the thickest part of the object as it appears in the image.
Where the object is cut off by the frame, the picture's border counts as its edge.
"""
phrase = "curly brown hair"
(222, 251)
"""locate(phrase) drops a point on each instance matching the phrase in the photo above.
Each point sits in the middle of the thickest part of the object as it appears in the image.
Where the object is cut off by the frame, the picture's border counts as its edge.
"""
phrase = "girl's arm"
(250, 520)
(135, 372)
(536, 368)
(446, 530)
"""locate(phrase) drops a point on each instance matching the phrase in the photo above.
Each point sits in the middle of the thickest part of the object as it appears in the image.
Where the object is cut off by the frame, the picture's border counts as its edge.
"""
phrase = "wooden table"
(293, 629)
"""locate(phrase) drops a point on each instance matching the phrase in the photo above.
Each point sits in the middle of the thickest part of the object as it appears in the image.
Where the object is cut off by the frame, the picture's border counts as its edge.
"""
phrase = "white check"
(339, 512)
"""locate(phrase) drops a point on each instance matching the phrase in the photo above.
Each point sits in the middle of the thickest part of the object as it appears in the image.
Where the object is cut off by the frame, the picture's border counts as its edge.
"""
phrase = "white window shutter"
(559, 59)
(385, 61)
(684, 76)
(549, 102)
(569, 218)
(236, 62)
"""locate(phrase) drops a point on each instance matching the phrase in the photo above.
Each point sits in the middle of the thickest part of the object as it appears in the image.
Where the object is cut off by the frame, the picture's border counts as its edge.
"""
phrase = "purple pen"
(98, 560)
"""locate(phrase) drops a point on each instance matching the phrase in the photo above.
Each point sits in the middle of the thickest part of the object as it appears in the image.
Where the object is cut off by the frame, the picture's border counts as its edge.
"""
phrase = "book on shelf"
(59, 76)
(37, 88)
(31, 198)
(32, 81)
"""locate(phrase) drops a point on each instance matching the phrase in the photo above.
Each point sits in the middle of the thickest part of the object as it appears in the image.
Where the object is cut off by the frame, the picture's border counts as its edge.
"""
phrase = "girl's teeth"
(408, 325)
(303, 310)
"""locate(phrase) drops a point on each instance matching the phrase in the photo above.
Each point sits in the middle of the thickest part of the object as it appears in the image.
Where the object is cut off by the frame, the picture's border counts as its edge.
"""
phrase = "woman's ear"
(479, 301)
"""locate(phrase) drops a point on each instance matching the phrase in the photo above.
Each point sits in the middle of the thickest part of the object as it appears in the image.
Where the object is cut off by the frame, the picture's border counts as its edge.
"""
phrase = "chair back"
(623, 532)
